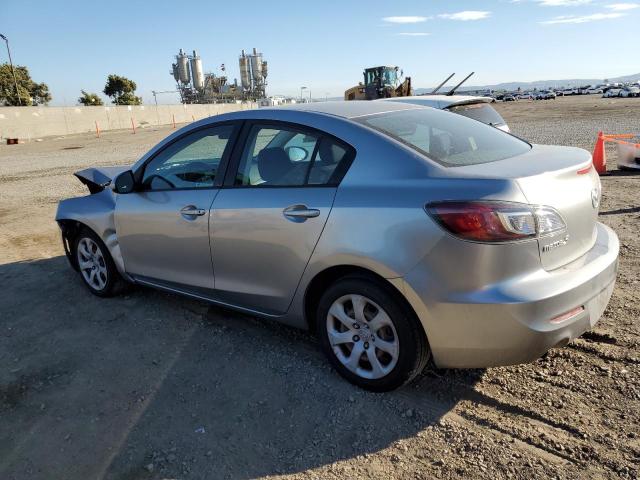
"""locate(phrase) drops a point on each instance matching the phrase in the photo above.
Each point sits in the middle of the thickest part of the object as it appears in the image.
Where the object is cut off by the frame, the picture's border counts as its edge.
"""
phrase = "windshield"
(483, 112)
(389, 76)
(451, 140)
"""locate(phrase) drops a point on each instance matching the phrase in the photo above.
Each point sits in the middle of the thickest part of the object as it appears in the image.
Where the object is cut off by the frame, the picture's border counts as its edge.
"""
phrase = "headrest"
(330, 153)
(273, 164)
(437, 148)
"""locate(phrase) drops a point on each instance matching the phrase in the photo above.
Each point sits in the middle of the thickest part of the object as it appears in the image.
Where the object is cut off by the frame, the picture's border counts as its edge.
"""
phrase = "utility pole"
(15, 81)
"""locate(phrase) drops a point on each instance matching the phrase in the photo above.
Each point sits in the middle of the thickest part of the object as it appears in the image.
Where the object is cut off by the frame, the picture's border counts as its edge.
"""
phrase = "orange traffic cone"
(600, 155)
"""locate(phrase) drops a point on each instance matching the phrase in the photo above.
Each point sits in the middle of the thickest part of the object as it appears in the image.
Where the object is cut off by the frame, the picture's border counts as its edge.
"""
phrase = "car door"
(163, 226)
(267, 220)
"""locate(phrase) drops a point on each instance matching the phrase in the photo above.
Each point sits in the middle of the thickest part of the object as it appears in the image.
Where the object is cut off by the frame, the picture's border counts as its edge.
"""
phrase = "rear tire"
(369, 335)
(97, 269)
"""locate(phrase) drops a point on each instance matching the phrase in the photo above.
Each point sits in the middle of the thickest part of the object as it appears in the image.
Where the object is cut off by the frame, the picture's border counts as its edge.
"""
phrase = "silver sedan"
(397, 233)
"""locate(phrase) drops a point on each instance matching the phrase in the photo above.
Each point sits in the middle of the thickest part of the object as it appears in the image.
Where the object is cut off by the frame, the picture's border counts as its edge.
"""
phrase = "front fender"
(97, 213)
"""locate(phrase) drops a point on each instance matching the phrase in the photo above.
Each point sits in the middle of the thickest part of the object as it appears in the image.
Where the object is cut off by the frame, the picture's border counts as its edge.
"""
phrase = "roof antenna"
(441, 85)
(452, 91)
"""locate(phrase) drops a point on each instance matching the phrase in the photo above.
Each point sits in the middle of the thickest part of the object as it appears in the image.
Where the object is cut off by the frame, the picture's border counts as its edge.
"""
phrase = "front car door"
(163, 226)
(268, 218)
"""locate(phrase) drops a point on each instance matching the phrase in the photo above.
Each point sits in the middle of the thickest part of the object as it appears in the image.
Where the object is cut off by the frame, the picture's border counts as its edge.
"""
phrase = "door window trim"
(241, 141)
(224, 161)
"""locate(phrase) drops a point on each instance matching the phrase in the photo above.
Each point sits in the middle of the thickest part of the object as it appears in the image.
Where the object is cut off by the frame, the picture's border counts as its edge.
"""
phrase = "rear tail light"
(548, 221)
(495, 221)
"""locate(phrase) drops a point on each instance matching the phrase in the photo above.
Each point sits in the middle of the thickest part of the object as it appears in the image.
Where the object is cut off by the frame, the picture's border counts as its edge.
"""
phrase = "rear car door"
(267, 220)
(163, 226)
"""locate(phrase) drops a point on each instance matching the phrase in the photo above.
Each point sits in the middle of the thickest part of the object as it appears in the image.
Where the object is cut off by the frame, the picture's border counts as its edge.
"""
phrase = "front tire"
(369, 335)
(96, 267)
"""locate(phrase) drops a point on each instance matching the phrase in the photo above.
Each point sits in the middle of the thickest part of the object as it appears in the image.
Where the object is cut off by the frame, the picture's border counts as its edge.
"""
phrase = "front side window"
(287, 157)
(191, 162)
(451, 140)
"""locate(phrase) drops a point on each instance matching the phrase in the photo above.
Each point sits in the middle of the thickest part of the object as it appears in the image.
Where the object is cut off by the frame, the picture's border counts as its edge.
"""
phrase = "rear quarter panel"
(378, 221)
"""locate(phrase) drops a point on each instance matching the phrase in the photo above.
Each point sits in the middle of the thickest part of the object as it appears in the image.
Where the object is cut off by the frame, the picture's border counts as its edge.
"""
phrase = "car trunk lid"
(562, 178)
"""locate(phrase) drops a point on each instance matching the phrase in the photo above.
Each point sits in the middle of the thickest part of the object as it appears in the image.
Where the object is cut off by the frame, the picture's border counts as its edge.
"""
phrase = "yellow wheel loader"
(380, 82)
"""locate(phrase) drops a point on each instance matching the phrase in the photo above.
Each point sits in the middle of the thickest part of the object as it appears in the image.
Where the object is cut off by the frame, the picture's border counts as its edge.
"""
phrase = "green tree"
(30, 92)
(90, 99)
(121, 90)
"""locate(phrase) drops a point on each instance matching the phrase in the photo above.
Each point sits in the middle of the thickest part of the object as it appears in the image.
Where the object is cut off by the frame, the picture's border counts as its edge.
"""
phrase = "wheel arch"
(70, 229)
(323, 279)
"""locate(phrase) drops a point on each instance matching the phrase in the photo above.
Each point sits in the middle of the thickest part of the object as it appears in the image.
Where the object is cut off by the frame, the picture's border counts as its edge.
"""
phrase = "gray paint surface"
(479, 304)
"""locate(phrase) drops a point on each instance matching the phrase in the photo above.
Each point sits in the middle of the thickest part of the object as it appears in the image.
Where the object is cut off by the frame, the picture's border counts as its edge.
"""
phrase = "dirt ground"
(151, 385)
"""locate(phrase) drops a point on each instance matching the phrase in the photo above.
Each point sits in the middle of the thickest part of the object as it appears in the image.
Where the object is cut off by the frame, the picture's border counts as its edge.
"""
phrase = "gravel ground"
(151, 385)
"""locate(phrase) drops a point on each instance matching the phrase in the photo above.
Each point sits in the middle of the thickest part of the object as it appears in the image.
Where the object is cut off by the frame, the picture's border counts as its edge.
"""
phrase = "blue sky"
(72, 45)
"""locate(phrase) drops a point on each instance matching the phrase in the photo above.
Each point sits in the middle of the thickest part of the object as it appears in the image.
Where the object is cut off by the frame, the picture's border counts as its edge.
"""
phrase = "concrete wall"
(35, 122)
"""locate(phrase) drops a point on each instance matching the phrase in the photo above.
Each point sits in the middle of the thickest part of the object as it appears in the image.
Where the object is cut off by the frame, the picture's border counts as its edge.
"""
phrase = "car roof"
(444, 100)
(347, 109)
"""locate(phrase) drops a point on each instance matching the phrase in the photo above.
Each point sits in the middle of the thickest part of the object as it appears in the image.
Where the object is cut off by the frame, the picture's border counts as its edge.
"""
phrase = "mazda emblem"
(595, 197)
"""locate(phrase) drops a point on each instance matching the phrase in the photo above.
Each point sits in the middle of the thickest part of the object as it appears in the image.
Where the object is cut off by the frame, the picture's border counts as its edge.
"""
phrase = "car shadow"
(622, 173)
(152, 385)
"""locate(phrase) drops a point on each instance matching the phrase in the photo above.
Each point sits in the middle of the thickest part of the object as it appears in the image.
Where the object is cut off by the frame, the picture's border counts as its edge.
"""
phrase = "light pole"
(155, 98)
(301, 98)
(15, 81)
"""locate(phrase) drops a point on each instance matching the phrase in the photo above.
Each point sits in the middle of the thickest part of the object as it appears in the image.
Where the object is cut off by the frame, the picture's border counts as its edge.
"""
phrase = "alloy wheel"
(92, 264)
(362, 336)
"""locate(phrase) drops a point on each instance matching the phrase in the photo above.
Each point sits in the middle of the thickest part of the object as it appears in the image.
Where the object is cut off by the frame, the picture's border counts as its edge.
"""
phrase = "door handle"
(299, 213)
(191, 211)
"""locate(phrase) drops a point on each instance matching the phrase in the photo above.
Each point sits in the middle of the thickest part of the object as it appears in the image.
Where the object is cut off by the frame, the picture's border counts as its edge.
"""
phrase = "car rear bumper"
(509, 322)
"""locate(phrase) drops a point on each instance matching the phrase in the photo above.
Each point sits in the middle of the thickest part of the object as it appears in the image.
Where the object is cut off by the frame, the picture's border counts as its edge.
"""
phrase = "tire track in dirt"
(617, 355)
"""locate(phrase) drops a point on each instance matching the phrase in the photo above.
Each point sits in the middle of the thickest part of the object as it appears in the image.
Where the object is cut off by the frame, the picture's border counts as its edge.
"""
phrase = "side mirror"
(125, 182)
(296, 154)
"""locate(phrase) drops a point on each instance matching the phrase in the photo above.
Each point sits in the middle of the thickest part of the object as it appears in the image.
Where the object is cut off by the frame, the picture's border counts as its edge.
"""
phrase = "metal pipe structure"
(15, 80)
(442, 84)
(196, 86)
(453, 90)
(155, 94)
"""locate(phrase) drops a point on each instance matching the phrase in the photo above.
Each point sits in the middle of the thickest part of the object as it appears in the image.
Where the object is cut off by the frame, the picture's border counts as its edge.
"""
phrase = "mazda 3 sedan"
(397, 233)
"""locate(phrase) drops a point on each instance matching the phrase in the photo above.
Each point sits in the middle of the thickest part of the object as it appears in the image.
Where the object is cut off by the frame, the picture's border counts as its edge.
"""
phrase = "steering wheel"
(150, 178)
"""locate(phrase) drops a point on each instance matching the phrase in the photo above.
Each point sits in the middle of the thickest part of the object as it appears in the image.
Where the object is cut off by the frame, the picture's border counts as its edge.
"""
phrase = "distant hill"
(539, 84)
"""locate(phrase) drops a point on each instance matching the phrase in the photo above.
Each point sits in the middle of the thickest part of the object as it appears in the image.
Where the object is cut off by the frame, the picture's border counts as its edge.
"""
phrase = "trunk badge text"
(558, 243)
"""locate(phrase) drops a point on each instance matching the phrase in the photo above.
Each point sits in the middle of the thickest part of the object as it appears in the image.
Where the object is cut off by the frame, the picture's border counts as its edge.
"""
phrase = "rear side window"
(288, 157)
(329, 160)
(451, 140)
(483, 112)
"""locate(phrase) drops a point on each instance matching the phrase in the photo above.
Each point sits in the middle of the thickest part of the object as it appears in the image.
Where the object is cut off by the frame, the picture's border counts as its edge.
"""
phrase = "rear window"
(483, 112)
(450, 140)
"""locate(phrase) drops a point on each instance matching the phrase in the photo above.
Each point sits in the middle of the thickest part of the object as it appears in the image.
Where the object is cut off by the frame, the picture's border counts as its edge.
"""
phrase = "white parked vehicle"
(478, 108)
(612, 92)
(629, 92)
(592, 91)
